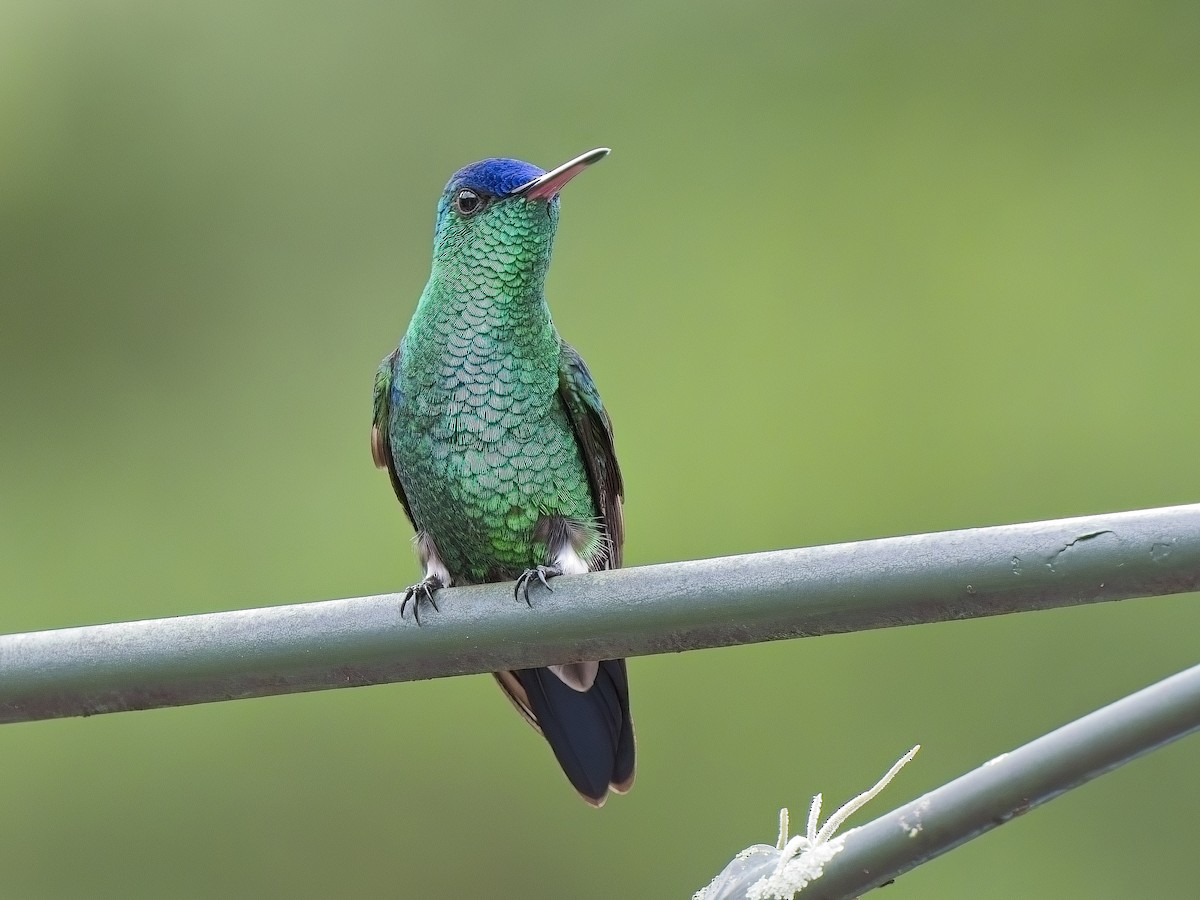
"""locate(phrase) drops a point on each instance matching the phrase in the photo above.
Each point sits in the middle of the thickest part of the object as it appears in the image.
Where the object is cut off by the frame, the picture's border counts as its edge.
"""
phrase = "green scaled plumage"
(497, 444)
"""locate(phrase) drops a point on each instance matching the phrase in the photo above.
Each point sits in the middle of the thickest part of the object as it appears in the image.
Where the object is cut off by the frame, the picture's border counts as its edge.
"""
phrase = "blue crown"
(494, 176)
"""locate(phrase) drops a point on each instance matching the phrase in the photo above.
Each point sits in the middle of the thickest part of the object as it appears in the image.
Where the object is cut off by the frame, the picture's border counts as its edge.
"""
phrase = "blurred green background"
(853, 269)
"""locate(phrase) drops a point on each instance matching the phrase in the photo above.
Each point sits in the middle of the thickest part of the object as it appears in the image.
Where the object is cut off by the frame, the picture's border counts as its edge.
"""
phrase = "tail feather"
(590, 732)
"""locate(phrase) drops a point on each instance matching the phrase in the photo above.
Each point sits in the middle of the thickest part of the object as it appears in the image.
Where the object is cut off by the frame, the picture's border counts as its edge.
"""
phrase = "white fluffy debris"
(762, 872)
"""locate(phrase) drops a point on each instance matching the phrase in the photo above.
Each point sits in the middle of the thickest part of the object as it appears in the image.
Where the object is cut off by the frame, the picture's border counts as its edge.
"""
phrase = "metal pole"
(1011, 785)
(631, 612)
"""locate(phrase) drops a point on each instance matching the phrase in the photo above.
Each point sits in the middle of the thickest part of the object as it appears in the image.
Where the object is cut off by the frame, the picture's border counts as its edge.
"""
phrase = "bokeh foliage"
(853, 269)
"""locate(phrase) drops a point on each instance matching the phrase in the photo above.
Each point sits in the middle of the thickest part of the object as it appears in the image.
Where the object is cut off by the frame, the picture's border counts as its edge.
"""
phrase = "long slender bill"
(547, 185)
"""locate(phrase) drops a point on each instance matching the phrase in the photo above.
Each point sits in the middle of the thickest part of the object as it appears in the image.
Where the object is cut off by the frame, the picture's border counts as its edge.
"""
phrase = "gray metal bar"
(631, 612)
(1011, 785)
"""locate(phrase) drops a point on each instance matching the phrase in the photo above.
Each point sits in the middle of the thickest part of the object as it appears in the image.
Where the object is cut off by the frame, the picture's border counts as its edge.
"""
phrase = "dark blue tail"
(590, 732)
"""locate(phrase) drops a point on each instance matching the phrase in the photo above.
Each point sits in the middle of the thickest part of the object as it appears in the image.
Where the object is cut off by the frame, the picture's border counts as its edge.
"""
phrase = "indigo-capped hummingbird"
(496, 442)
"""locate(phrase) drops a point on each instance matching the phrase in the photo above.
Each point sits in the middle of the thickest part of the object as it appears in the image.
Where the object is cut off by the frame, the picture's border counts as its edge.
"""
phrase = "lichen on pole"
(1012, 784)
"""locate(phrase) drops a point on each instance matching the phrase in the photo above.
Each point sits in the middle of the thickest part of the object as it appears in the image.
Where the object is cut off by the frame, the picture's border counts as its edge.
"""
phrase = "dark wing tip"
(593, 432)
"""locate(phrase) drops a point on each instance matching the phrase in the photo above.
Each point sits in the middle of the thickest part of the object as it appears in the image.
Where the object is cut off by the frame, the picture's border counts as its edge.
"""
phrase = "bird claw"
(539, 573)
(422, 590)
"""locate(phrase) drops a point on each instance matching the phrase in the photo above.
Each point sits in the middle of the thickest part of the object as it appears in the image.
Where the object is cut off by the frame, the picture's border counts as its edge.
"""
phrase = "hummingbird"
(492, 432)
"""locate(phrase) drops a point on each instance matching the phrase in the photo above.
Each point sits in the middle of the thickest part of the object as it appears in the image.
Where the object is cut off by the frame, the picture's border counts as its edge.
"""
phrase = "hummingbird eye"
(468, 202)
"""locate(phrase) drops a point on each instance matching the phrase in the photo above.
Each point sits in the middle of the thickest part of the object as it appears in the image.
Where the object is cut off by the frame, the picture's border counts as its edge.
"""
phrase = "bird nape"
(498, 447)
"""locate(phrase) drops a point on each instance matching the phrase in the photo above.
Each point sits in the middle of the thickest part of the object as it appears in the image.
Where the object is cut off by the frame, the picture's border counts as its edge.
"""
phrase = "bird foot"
(421, 591)
(529, 576)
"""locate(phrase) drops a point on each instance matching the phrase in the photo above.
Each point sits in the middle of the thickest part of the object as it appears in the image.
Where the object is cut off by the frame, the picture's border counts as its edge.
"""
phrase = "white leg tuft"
(427, 552)
(569, 561)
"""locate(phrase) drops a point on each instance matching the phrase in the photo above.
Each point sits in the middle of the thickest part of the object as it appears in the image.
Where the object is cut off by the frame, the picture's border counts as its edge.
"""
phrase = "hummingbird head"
(500, 215)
